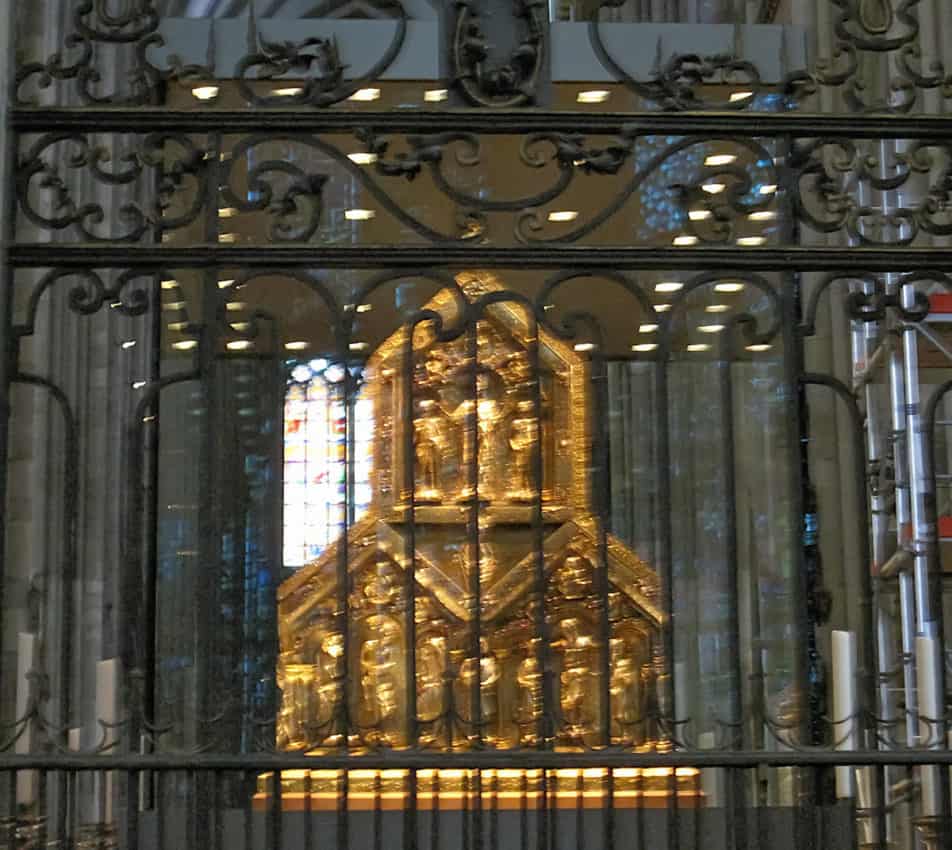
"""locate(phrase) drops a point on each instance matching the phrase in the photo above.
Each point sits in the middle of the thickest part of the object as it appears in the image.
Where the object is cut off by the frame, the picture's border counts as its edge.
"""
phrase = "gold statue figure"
(380, 657)
(431, 443)
(522, 441)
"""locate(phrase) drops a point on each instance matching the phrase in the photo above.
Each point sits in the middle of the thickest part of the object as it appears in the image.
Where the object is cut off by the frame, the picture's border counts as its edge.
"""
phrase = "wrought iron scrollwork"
(46, 184)
(315, 66)
(824, 197)
(512, 83)
(97, 25)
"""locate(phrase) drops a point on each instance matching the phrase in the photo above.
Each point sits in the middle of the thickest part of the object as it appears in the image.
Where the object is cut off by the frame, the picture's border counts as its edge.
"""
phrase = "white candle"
(844, 706)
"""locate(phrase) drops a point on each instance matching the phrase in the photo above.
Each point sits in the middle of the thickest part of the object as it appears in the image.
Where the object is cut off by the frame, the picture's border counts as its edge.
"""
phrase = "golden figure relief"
(432, 443)
(522, 441)
(497, 398)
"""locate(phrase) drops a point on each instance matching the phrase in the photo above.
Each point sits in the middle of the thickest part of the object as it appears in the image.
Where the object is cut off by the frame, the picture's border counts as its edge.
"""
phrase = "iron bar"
(760, 124)
(412, 257)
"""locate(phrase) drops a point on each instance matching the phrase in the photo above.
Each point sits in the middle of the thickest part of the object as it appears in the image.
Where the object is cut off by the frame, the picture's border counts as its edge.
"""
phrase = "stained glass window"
(315, 439)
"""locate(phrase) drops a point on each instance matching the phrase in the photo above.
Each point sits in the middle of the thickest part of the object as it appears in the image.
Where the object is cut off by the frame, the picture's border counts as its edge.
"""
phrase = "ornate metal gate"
(403, 451)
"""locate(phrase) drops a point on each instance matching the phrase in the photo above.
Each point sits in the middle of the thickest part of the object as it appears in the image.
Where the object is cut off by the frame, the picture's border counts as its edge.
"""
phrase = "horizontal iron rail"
(849, 260)
(801, 124)
(481, 760)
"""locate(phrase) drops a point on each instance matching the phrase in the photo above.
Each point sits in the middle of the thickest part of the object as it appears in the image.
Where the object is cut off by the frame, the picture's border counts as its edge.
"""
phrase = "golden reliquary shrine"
(470, 533)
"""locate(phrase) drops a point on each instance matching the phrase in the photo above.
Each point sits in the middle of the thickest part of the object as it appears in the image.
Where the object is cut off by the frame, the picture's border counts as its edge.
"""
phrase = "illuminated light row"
(359, 215)
(697, 347)
(365, 94)
(563, 215)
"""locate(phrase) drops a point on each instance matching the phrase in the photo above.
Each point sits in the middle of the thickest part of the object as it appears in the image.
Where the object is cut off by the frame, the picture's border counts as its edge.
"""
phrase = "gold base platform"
(494, 790)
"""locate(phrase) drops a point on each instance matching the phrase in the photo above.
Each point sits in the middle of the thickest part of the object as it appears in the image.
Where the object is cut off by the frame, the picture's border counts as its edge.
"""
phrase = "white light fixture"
(173, 305)
(751, 241)
(435, 95)
(227, 212)
(296, 345)
(593, 96)
(241, 326)
(239, 344)
(563, 215)
(185, 344)
(115, 305)
(205, 92)
(729, 286)
(740, 95)
(128, 343)
(758, 347)
(699, 215)
(359, 215)
(362, 158)
(763, 215)
(359, 346)
(685, 240)
(235, 306)
(647, 329)
(669, 286)
(720, 159)
(363, 308)
(227, 238)
(710, 329)
(224, 284)
(714, 188)
(138, 385)
(290, 91)
(178, 326)
(365, 94)
(662, 308)
(644, 346)
(169, 284)
(585, 346)
(717, 308)
(768, 189)
(698, 346)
